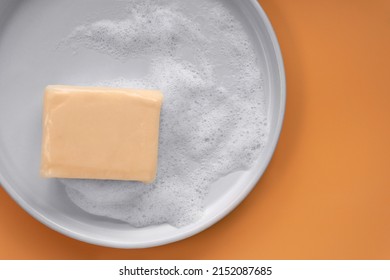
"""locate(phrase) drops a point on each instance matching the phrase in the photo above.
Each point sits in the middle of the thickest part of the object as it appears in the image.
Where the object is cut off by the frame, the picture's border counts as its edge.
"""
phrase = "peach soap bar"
(100, 133)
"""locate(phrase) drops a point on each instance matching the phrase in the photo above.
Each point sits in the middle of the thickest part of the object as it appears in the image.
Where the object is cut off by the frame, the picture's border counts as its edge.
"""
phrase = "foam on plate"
(214, 118)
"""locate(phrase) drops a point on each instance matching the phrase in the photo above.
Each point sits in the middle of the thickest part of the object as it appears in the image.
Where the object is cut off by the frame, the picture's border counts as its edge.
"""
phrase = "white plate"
(27, 30)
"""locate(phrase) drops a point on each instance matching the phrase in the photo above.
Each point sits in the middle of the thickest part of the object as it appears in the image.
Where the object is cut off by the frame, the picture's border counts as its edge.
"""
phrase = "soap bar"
(100, 133)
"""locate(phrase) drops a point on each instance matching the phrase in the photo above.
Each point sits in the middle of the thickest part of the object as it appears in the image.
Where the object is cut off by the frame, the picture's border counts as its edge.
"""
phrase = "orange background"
(326, 193)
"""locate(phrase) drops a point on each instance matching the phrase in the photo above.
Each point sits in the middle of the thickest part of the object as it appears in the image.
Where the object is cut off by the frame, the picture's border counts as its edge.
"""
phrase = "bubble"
(213, 119)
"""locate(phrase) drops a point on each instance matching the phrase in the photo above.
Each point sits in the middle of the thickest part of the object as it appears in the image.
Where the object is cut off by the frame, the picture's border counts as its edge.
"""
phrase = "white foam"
(213, 118)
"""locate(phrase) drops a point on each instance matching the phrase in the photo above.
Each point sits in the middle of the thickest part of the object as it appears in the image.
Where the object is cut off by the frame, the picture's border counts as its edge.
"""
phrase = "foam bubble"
(213, 119)
(147, 28)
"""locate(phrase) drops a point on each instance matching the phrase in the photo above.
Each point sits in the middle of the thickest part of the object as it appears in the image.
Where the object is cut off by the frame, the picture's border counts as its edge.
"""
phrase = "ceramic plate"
(28, 32)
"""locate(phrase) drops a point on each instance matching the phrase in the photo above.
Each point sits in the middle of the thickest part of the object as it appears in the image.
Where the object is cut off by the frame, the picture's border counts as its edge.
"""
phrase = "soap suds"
(213, 119)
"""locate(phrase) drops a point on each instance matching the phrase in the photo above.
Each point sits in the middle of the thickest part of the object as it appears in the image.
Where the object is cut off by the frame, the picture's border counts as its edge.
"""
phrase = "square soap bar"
(100, 133)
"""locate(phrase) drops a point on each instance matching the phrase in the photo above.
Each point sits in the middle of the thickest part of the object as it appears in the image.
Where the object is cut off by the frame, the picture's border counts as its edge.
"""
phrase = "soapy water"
(213, 118)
